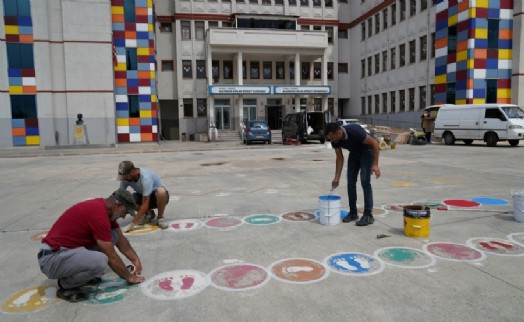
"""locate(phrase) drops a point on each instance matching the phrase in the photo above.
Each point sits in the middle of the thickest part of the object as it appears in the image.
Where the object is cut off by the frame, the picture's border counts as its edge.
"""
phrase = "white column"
(323, 65)
(210, 99)
(297, 81)
(239, 68)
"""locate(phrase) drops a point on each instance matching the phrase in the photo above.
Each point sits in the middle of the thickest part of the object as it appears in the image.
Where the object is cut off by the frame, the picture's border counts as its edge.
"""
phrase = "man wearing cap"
(80, 245)
(149, 194)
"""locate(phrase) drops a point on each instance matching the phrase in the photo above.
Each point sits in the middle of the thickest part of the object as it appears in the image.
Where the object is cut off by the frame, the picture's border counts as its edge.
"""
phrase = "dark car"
(257, 131)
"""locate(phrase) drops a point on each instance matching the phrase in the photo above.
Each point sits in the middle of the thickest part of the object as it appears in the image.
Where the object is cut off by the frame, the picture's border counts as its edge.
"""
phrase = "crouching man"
(80, 245)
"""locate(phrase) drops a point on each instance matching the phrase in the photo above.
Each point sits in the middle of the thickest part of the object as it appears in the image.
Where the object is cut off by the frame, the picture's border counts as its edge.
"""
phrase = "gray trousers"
(76, 266)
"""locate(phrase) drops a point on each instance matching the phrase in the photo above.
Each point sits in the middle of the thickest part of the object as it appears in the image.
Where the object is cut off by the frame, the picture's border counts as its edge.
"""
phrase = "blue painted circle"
(490, 201)
(329, 198)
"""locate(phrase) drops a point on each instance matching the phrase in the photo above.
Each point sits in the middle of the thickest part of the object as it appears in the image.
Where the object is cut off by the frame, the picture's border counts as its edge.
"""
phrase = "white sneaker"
(163, 223)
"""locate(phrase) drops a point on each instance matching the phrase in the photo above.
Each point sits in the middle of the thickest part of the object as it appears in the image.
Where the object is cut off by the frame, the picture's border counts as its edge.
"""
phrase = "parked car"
(305, 126)
(257, 131)
(488, 122)
(343, 122)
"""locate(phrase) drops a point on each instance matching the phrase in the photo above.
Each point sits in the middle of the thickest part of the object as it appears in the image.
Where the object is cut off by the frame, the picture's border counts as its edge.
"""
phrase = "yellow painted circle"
(30, 299)
(402, 184)
(145, 229)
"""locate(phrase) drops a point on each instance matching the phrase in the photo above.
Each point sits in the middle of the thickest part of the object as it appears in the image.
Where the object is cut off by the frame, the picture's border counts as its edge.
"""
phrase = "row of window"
(389, 16)
(412, 46)
(302, 3)
(379, 103)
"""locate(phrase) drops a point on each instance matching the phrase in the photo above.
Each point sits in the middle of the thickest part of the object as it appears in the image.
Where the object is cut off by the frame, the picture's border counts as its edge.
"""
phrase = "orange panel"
(118, 18)
(130, 34)
(481, 53)
(146, 137)
(134, 121)
(29, 89)
(18, 131)
(143, 74)
(151, 51)
(121, 82)
(504, 100)
(505, 34)
(28, 39)
(441, 43)
(464, 5)
(153, 114)
(141, 11)
(469, 83)
(462, 45)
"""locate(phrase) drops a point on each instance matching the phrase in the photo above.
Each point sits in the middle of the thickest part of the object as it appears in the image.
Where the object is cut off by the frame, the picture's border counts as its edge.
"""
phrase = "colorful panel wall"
(136, 117)
(475, 62)
(22, 81)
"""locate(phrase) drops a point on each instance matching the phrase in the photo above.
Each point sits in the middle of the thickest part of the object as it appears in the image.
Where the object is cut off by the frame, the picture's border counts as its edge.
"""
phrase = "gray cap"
(124, 168)
(125, 197)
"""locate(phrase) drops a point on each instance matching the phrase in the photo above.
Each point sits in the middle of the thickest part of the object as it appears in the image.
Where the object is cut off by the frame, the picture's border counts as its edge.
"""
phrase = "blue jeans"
(362, 164)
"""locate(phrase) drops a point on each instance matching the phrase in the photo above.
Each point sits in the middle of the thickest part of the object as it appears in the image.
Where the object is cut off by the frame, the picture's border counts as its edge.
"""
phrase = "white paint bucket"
(329, 208)
(518, 205)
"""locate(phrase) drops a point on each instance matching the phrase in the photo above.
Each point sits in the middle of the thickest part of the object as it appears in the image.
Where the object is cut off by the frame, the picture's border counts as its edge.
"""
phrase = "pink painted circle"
(461, 203)
(225, 222)
(239, 277)
(454, 252)
(299, 216)
(496, 246)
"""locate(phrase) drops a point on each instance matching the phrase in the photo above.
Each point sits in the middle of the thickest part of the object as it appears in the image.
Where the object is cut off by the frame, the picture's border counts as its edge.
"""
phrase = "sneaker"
(162, 223)
(147, 218)
(350, 217)
(366, 220)
(71, 295)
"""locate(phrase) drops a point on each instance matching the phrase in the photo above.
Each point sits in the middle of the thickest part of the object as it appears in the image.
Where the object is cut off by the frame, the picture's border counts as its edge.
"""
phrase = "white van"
(488, 122)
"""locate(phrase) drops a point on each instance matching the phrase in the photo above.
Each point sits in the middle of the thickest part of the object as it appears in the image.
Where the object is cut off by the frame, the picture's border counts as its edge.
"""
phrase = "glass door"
(222, 115)
(250, 110)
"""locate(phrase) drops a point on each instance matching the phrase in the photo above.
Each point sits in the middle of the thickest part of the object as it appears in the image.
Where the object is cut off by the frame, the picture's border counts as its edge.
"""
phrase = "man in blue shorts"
(363, 157)
(149, 194)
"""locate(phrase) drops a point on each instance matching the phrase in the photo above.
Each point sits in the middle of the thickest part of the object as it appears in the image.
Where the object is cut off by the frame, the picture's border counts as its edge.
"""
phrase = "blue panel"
(142, 35)
(463, 35)
(462, 65)
(481, 43)
(452, 10)
(120, 51)
(440, 70)
(121, 43)
(134, 129)
(142, 43)
(122, 107)
(504, 73)
(122, 114)
(441, 28)
(506, 24)
(154, 121)
(470, 73)
(132, 74)
(121, 90)
(132, 82)
(479, 83)
(441, 61)
(493, 13)
(479, 92)
(19, 140)
(25, 30)
(18, 123)
(143, 66)
(153, 89)
(492, 63)
(460, 94)
(146, 121)
(461, 85)
(25, 21)
(481, 23)
(15, 81)
(144, 98)
(451, 77)
(14, 72)
(440, 97)
(505, 43)
(492, 73)
(119, 26)
(141, 3)
(494, 3)
(144, 106)
(32, 131)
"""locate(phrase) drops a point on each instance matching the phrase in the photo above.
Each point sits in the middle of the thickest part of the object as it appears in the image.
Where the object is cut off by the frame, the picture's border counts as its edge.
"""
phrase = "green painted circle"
(262, 219)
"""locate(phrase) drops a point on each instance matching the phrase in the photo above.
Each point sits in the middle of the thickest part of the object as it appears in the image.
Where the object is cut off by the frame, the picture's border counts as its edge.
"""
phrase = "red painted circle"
(238, 277)
(223, 222)
(461, 203)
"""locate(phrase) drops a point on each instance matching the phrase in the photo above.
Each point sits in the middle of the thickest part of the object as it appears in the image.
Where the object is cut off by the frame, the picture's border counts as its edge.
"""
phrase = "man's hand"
(334, 185)
(129, 228)
(135, 279)
(376, 171)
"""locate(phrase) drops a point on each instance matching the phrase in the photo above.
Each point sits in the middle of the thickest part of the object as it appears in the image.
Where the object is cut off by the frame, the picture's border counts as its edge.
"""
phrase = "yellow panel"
(32, 140)
(440, 79)
(472, 13)
(150, 27)
(145, 114)
(460, 102)
(452, 20)
(462, 55)
(505, 54)
(12, 30)
(150, 3)
(152, 74)
(482, 4)
(504, 93)
(153, 98)
(16, 89)
(471, 63)
(122, 122)
(117, 10)
(142, 51)
(120, 67)
(481, 33)
(479, 101)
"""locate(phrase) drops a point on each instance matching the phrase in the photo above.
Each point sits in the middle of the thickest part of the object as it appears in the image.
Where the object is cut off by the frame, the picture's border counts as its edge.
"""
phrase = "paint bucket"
(416, 221)
(329, 208)
(518, 205)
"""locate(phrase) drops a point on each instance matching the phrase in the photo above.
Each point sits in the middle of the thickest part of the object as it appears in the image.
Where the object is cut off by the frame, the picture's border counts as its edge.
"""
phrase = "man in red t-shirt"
(80, 245)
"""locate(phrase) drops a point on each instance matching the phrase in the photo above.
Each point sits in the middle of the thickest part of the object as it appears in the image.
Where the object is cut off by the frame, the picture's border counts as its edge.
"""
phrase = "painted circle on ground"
(395, 207)
(490, 201)
(175, 285)
(401, 184)
(517, 238)
(430, 204)
(299, 270)
(454, 252)
(30, 299)
(184, 225)
(261, 219)
(461, 203)
(239, 277)
(405, 257)
(298, 216)
(39, 236)
(357, 264)
(496, 246)
(225, 222)
(108, 291)
(144, 229)
(374, 211)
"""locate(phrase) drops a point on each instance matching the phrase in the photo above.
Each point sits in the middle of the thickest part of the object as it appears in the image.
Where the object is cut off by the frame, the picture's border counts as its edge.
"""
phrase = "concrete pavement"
(241, 247)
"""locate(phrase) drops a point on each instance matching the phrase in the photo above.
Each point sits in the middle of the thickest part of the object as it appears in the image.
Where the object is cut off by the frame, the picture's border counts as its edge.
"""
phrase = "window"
(384, 60)
(422, 97)
(23, 106)
(363, 68)
(370, 106)
(228, 69)
(267, 2)
(280, 70)
(423, 5)
(306, 71)
(491, 91)
(131, 61)
(363, 29)
(17, 8)
(185, 29)
(377, 63)
(167, 65)
(384, 102)
(317, 70)
(432, 45)
(212, 24)
(342, 34)
(253, 1)
(392, 101)
(393, 14)
(254, 70)
(330, 34)
(369, 65)
(330, 70)
(402, 10)
(362, 105)
(199, 30)
(377, 23)
(291, 70)
(413, 8)
(493, 113)
(186, 69)
(393, 58)
(267, 70)
(279, 2)
(493, 33)
(452, 39)
(432, 94)
(402, 54)
(385, 19)
(134, 110)
(402, 103)
(328, 3)
(304, 27)
(423, 48)
(377, 104)
(316, 3)
(450, 93)
(244, 69)
(304, 3)
(201, 107)
(292, 2)
(129, 11)
(250, 110)
(411, 99)
(317, 28)
(412, 51)
(343, 68)
(201, 69)
(166, 27)
(188, 107)
(20, 55)
(215, 70)
(370, 27)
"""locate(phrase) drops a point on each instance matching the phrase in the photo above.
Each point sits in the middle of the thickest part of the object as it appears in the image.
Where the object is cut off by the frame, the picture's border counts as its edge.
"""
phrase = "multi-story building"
(143, 70)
